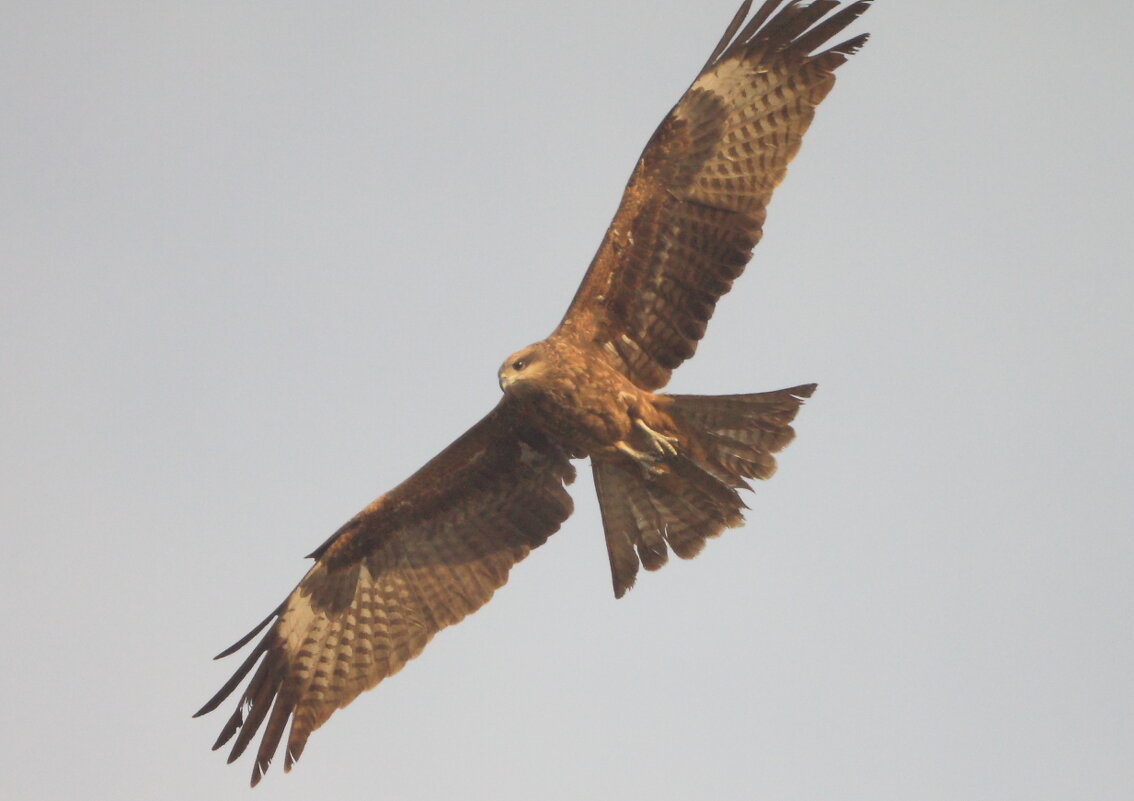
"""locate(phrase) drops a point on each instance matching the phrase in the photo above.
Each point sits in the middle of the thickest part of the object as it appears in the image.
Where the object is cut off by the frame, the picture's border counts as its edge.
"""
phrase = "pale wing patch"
(298, 616)
(721, 77)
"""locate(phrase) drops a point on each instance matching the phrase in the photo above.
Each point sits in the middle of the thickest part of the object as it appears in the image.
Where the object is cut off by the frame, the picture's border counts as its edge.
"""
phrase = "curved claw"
(648, 461)
(663, 444)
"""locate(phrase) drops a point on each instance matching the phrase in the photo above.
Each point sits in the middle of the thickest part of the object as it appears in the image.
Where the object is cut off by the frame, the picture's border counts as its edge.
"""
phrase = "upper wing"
(417, 559)
(694, 206)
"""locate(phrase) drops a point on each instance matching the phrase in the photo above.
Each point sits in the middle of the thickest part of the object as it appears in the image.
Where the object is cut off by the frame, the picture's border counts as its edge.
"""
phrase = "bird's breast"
(581, 415)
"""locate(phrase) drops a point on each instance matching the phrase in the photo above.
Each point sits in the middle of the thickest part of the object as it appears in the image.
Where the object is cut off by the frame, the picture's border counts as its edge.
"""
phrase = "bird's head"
(522, 367)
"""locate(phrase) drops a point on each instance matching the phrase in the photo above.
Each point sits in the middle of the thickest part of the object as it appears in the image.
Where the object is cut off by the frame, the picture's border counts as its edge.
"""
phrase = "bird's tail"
(682, 499)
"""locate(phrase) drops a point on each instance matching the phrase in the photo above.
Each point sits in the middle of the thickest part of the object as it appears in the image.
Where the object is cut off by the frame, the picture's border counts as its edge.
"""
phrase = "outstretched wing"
(694, 206)
(417, 559)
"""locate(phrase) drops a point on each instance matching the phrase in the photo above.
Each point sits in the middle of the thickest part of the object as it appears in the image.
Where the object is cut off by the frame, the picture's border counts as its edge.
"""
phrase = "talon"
(663, 444)
(648, 461)
(633, 453)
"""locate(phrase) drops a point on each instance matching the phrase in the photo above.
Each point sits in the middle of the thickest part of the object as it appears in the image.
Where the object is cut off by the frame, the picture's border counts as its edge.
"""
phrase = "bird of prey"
(666, 467)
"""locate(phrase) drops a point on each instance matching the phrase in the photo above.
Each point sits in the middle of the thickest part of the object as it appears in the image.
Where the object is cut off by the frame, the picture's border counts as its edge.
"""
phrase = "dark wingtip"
(851, 46)
(821, 33)
(796, 25)
(729, 33)
(294, 750)
(258, 771)
(236, 677)
(247, 638)
(234, 722)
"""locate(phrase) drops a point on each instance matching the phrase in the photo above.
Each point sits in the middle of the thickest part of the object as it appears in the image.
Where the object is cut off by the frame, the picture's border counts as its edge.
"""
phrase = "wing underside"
(695, 204)
(417, 560)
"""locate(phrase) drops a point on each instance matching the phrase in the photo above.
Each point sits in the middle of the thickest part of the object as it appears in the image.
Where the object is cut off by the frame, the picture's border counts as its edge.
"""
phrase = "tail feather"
(692, 495)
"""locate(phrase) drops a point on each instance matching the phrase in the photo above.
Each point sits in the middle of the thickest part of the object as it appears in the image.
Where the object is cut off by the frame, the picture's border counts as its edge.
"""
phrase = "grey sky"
(261, 260)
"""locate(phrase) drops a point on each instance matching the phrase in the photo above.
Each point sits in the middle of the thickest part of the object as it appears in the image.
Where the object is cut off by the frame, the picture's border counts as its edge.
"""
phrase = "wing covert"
(694, 206)
(416, 560)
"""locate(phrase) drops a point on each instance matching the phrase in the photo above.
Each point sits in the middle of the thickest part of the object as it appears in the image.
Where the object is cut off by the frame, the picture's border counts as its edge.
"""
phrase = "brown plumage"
(666, 467)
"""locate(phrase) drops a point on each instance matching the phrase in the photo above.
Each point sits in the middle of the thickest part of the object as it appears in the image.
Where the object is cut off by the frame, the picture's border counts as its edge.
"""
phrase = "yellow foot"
(648, 461)
(662, 444)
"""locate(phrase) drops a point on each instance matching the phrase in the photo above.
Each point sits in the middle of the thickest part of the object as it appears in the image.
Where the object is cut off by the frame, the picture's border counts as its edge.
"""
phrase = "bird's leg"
(661, 447)
(648, 461)
(662, 444)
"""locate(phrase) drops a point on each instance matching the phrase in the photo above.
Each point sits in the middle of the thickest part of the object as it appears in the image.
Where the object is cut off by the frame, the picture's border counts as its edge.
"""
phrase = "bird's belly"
(582, 422)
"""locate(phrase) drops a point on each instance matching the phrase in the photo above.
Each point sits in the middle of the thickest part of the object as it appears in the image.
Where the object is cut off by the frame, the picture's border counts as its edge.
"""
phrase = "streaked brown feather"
(727, 439)
(694, 207)
(418, 559)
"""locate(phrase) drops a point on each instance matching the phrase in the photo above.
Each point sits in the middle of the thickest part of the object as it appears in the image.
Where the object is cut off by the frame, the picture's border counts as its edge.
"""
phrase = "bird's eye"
(519, 365)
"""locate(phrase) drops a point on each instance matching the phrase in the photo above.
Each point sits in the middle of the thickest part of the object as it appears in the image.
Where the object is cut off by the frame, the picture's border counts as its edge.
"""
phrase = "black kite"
(666, 467)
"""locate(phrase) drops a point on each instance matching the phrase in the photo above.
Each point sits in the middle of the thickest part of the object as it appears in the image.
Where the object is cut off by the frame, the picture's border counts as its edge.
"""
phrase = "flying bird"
(666, 467)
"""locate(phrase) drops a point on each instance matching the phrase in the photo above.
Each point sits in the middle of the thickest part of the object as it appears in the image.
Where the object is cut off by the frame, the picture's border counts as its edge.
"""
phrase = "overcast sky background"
(261, 260)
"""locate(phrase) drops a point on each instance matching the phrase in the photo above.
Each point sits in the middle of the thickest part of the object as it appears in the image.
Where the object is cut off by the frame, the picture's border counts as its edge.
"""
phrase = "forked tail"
(724, 440)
